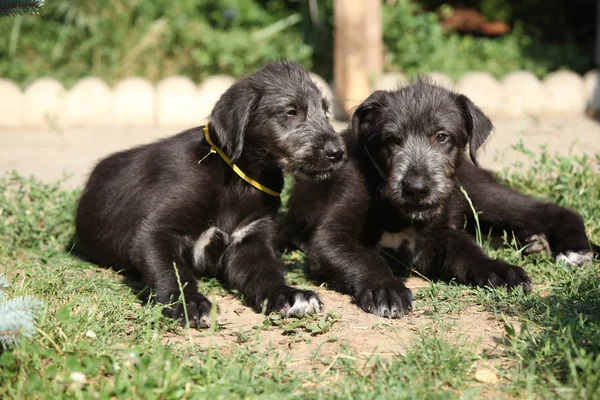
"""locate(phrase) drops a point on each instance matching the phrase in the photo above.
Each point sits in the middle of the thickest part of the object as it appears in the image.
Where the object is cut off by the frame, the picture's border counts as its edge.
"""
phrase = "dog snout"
(334, 152)
(415, 188)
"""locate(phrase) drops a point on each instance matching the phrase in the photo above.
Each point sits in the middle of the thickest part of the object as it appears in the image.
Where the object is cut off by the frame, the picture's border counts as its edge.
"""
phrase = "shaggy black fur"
(170, 203)
(543, 227)
(399, 191)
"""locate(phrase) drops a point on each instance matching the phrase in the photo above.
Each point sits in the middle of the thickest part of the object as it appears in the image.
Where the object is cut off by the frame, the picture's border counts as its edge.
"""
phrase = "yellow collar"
(234, 167)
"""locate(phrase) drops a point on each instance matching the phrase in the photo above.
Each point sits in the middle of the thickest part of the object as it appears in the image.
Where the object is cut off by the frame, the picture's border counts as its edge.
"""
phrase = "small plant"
(17, 317)
(313, 324)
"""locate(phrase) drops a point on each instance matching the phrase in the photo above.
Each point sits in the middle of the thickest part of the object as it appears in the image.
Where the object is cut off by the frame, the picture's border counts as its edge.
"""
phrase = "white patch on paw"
(396, 240)
(396, 312)
(383, 311)
(573, 258)
(302, 307)
(201, 243)
(205, 321)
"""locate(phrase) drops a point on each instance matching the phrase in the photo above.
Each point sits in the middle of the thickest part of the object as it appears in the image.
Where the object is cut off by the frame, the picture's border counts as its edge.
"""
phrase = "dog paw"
(291, 302)
(500, 274)
(198, 311)
(537, 244)
(390, 299)
(576, 259)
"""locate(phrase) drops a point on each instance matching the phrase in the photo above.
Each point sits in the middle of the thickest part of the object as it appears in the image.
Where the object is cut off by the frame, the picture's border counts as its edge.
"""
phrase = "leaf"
(64, 314)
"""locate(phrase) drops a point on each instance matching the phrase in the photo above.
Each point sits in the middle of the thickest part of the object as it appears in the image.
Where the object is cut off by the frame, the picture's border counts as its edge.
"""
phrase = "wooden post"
(357, 49)
(598, 33)
(374, 39)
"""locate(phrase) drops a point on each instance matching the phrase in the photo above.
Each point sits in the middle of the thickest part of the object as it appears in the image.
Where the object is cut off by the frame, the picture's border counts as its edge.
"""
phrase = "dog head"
(280, 113)
(416, 137)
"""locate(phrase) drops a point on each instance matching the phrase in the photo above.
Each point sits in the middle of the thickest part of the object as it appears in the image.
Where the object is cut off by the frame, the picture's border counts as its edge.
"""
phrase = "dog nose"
(333, 152)
(415, 188)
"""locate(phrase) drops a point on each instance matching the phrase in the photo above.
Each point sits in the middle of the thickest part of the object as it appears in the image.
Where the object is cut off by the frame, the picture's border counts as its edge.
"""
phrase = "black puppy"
(397, 190)
(204, 200)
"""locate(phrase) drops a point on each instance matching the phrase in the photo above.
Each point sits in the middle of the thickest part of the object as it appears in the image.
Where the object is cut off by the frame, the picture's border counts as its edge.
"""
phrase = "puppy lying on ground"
(204, 200)
(399, 190)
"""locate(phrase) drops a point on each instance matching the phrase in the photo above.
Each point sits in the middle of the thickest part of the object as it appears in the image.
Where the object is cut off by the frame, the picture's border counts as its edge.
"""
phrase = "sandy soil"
(50, 153)
(363, 335)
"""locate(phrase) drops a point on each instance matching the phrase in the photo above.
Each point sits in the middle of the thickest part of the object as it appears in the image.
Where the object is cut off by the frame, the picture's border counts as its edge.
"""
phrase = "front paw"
(292, 302)
(390, 299)
(198, 311)
(500, 274)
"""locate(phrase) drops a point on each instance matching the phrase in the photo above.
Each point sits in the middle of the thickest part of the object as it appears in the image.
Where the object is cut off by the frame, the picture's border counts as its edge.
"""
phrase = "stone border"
(178, 101)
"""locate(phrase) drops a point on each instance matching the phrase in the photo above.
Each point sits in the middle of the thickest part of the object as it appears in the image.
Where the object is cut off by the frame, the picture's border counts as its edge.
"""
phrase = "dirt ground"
(356, 332)
(49, 154)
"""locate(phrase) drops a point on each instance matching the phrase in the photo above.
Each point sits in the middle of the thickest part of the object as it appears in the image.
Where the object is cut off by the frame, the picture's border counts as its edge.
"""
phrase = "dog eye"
(392, 141)
(291, 112)
(441, 137)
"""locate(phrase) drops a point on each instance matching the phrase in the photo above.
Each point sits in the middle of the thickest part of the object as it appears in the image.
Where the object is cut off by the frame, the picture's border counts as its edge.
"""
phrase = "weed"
(315, 325)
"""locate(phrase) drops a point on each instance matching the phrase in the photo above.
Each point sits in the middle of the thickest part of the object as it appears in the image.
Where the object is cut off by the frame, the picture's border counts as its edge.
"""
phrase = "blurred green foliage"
(416, 42)
(114, 39)
(118, 38)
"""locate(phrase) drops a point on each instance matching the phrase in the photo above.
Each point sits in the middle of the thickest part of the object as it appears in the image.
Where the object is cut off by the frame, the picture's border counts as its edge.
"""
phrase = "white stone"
(90, 103)
(78, 379)
(209, 92)
(483, 90)
(591, 82)
(564, 93)
(441, 79)
(11, 104)
(523, 94)
(134, 102)
(177, 102)
(46, 101)
(390, 81)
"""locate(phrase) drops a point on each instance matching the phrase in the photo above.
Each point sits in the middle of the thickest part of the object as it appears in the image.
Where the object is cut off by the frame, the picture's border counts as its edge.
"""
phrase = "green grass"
(95, 340)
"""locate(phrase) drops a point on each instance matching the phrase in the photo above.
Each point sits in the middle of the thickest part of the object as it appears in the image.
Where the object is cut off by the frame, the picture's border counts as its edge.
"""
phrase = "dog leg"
(338, 258)
(363, 273)
(445, 253)
(251, 266)
(547, 227)
(158, 252)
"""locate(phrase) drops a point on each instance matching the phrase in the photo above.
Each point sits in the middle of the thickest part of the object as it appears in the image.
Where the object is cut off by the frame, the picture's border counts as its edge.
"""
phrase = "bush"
(113, 39)
(416, 42)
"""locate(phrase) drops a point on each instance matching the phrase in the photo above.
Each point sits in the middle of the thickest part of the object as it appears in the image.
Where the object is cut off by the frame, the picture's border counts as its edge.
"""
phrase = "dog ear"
(363, 117)
(230, 118)
(478, 125)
